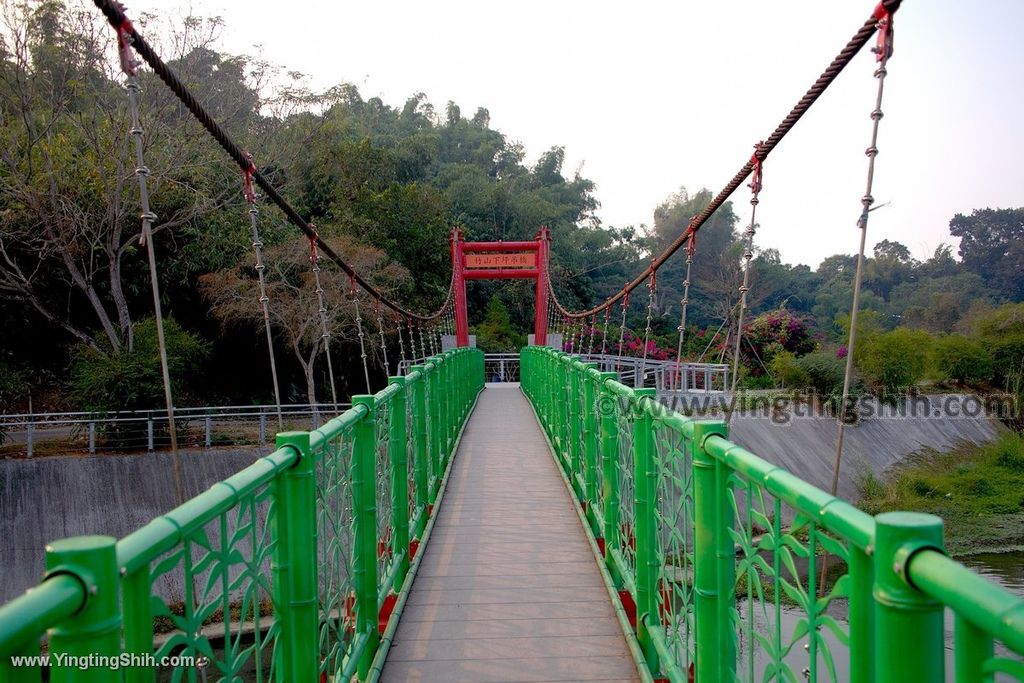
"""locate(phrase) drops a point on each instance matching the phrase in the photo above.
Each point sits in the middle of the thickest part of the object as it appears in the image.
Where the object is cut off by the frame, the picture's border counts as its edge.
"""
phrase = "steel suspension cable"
(148, 218)
(748, 254)
(354, 293)
(423, 348)
(383, 344)
(325, 334)
(622, 327)
(401, 342)
(883, 52)
(604, 332)
(831, 72)
(130, 39)
(590, 341)
(257, 247)
(691, 248)
(652, 288)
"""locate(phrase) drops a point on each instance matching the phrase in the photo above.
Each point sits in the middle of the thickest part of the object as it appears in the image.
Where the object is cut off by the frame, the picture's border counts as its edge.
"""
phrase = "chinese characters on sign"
(526, 259)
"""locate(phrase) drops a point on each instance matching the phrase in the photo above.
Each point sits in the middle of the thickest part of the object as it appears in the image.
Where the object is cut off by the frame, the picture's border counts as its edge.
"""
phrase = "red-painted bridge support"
(501, 261)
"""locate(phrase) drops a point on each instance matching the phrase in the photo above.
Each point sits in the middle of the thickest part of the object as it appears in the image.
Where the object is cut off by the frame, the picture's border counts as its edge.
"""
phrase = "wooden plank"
(508, 589)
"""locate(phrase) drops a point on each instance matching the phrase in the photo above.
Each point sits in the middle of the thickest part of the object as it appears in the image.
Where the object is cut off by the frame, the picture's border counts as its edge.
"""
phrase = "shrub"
(1008, 452)
(775, 331)
(824, 372)
(897, 359)
(959, 359)
(132, 380)
(785, 368)
(496, 333)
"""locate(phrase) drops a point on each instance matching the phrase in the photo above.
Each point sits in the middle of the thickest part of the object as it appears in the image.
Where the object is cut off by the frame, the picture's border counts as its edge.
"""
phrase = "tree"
(109, 380)
(496, 334)
(233, 294)
(715, 272)
(962, 360)
(69, 228)
(896, 360)
(891, 266)
(992, 245)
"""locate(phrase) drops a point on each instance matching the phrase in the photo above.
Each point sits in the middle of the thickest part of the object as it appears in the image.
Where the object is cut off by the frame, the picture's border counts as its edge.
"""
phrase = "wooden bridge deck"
(508, 589)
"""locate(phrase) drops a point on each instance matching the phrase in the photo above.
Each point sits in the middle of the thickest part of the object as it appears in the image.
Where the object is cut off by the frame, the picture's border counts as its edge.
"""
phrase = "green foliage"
(1002, 331)
(824, 372)
(786, 369)
(973, 488)
(895, 360)
(14, 385)
(132, 380)
(496, 334)
(959, 359)
(773, 331)
(992, 245)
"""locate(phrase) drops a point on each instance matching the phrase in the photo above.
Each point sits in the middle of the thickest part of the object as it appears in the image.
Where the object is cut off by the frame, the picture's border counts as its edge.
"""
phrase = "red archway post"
(540, 321)
(527, 260)
(459, 287)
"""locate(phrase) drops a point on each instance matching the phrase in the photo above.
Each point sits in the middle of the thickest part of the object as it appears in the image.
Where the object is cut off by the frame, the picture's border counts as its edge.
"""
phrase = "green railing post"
(419, 448)
(434, 429)
(644, 486)
(562, 406)
(557, 404)
(862, 616)
(295, 563)
(714, 641)
(453, 391)
(590, 428)
(973, 647)
(398, 447)
(574, 391)
(364, 497)
(610, 464)
(95, 630)
(138, 622)
(909, 645)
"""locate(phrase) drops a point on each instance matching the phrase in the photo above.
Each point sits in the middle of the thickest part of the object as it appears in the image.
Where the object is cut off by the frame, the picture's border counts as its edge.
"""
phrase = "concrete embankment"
(43, 499)
(805, 444)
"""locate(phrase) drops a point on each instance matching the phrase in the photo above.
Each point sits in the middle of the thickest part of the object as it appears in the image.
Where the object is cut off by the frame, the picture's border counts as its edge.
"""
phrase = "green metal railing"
(290, 570)
(717, 554)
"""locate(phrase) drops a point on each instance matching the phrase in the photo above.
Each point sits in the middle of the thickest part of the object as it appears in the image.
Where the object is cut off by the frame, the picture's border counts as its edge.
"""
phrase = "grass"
(978, 489)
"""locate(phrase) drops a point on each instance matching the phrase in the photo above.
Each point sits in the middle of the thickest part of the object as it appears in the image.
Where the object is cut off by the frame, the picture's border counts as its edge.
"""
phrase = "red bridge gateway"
(526, 260)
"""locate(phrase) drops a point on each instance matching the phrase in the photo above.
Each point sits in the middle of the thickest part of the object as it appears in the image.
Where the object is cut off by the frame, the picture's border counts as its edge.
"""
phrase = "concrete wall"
(806, 446)
(43, 499)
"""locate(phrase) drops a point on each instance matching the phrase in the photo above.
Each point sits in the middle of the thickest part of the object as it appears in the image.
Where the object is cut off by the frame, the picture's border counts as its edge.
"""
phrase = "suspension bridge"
(564, 526)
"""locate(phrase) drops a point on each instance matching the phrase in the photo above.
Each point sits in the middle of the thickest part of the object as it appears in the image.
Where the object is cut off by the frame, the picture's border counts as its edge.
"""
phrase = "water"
(1006, 569)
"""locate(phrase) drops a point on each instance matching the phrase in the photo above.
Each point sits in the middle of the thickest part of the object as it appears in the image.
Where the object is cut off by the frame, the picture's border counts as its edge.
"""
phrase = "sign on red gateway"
(524, 259)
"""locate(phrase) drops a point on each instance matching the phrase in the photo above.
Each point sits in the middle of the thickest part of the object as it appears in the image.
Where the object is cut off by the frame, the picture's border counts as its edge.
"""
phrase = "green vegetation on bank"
(977, 489)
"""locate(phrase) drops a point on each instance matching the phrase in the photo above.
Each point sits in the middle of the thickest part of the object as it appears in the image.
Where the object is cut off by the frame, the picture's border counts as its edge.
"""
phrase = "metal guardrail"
(498, 367)
(147, 430)
(732, 568)
(290, 570)
(664, 375)
(667, 376)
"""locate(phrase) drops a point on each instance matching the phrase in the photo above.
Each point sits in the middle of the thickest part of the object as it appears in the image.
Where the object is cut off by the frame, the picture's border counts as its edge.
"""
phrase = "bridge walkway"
(508, 589)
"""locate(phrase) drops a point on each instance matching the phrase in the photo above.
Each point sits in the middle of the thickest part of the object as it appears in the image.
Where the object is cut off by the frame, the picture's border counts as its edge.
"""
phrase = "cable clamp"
(247, 175)
(691, 233)
(883, 49)
(314, 254)
(755, 159)
(124, 43)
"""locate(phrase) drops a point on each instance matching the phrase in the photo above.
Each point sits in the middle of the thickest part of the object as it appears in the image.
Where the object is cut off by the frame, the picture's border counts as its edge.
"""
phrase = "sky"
(648, 97)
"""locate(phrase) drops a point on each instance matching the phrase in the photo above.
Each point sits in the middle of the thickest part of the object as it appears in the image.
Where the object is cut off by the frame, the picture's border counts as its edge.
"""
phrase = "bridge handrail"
(690, 548)
(362, 486)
